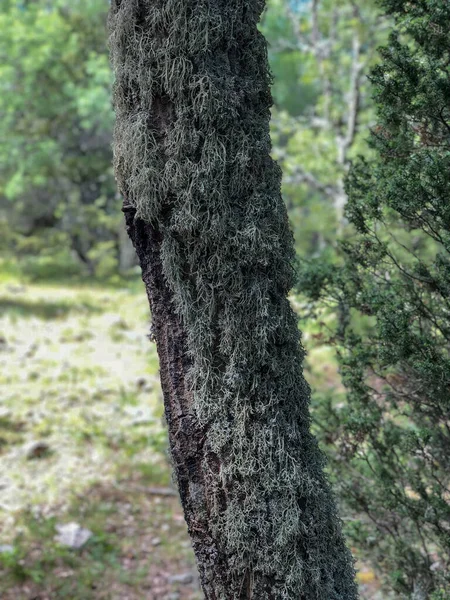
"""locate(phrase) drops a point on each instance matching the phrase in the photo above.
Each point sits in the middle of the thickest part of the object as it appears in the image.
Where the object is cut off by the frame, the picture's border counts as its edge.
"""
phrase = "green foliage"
(320, 58)
(391, 298)
(294, 89)
(56, 178)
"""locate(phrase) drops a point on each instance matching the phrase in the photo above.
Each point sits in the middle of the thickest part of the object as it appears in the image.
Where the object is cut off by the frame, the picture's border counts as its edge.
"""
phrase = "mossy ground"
(78, 372)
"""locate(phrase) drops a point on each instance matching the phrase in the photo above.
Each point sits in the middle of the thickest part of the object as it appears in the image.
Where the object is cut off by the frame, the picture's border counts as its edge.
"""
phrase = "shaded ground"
(138, 550)
(82, 440)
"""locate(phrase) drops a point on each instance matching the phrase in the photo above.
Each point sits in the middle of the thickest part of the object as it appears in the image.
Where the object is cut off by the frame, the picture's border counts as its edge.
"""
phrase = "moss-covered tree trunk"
(203, 208)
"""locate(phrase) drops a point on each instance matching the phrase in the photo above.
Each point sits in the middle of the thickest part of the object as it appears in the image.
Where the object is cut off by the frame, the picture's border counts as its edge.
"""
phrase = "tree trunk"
(126, 252)
(204, 211)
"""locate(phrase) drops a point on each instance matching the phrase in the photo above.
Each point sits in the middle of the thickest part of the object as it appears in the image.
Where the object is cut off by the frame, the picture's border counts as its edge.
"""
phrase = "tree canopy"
(56, 181)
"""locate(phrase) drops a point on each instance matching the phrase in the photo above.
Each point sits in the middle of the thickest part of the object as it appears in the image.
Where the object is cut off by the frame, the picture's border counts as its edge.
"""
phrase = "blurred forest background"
(81, 433)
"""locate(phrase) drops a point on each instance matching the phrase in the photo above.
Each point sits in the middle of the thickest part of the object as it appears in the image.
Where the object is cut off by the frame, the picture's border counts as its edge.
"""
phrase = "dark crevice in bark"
(186, 437)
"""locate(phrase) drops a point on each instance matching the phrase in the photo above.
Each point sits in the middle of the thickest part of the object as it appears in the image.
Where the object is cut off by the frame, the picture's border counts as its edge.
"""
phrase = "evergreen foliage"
(192, 152)
(392, 299)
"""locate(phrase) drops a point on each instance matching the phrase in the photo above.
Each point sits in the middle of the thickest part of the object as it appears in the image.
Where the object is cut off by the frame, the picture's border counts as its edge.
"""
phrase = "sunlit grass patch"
(93, 398)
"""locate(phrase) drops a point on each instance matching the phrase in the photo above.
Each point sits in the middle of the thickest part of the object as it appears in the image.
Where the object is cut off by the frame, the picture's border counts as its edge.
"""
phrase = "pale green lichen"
(205, 177)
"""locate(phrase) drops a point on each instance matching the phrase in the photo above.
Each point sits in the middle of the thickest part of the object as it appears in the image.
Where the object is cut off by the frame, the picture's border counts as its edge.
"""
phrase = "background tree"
(321, 53)
(204, 210)
(56, 181)
(391, 296)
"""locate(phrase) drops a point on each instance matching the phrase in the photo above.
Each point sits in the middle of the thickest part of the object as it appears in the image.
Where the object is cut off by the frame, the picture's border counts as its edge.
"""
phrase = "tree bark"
(186, 436)
(203, 208)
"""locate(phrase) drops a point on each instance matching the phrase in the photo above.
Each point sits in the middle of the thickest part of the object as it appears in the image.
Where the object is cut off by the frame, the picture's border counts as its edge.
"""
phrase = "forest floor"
(82, 441)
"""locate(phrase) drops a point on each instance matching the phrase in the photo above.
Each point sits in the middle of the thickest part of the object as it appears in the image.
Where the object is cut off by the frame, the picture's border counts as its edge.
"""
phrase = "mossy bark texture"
(204, 210)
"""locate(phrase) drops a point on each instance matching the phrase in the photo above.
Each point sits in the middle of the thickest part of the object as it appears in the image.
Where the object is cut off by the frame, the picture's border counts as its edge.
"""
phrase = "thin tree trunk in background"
(126, 252)
(204, 211)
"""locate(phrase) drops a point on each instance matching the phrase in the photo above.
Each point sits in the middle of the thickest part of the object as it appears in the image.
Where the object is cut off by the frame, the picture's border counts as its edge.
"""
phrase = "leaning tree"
(203, 208)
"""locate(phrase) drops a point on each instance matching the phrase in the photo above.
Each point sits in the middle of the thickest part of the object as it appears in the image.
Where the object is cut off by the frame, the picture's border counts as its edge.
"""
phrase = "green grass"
(78, 373)
(44, 310)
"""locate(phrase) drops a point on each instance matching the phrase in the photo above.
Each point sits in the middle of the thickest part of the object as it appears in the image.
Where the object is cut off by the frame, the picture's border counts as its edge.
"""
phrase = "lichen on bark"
(204, 209)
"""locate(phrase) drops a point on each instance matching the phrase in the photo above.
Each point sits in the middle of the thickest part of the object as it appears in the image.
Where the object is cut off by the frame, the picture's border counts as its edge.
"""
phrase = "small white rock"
(182, 578)
(72, 535)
